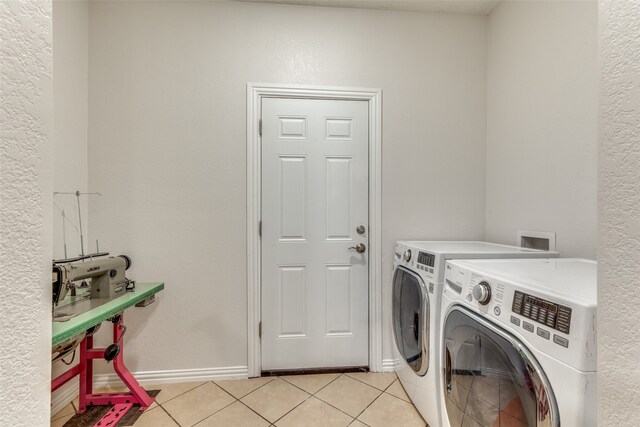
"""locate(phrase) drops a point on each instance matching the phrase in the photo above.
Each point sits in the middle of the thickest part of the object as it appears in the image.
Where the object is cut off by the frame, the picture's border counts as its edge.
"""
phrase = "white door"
(314, 198)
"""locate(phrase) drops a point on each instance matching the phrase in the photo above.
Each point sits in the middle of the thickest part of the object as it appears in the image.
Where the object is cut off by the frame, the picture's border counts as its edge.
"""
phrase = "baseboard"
(177, 376)
(63, 396)
(389, 365)
(67, 393)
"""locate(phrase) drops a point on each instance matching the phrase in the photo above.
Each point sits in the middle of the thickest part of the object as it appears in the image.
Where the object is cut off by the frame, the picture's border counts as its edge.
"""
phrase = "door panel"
(314, 195)
(491, 379)
(410, 319)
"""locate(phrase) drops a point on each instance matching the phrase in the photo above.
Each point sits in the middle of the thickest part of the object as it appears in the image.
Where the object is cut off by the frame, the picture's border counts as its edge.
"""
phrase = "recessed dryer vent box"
(543, 240)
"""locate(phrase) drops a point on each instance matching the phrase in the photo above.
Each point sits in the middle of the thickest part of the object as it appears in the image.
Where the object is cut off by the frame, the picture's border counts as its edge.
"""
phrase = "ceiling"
(478, 7)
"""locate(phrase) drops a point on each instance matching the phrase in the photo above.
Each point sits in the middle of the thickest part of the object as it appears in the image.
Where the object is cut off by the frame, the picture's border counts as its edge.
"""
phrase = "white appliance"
(417, 291)
(519, 343)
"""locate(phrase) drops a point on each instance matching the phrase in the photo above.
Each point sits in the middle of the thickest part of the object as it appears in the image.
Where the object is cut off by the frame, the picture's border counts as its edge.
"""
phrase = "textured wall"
(70, 116)
(619, 209)
(25, 212)
(542, 112)
(167, 145)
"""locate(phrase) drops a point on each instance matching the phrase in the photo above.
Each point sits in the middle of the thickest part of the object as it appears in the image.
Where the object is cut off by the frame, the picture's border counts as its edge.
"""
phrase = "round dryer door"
(411, 319)
(490, 378)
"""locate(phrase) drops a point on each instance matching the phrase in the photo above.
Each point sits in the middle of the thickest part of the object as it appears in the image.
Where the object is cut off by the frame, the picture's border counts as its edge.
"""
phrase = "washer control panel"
(419, 261)
(544, 320)
(553, 315)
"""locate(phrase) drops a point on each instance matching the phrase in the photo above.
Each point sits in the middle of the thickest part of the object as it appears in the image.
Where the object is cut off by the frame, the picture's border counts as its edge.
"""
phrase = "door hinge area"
(260, 330)
(260, 127)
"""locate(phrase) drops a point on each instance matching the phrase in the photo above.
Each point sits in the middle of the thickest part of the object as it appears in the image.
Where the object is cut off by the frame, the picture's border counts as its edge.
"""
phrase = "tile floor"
(353, 399)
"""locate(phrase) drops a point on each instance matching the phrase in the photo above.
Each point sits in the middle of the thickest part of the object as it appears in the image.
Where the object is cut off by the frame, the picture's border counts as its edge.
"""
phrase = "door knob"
(360, 229)
(360, 248)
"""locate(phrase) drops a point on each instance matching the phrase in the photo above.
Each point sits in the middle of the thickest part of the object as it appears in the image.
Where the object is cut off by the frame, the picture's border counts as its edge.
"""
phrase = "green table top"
(95, 311)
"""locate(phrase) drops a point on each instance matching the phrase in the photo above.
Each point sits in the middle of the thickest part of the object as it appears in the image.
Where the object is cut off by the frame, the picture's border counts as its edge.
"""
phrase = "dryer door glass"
(411, 319)
(490, 378)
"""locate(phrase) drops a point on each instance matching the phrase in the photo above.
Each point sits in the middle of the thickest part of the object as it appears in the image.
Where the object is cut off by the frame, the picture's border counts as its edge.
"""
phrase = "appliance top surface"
(572, 278)
(460, 249)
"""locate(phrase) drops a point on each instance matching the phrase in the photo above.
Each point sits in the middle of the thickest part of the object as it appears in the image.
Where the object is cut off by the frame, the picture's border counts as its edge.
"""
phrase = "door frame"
(255, 93)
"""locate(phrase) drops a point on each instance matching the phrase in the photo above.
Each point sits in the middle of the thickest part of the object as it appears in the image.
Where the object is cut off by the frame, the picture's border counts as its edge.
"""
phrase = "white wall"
(542, 108)
(70, 128)
(618, 203)
(25, 212)
(167, 145)
(70, 103)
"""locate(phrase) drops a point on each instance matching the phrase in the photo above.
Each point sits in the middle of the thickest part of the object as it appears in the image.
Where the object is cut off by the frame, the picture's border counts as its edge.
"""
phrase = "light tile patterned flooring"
(327, 400)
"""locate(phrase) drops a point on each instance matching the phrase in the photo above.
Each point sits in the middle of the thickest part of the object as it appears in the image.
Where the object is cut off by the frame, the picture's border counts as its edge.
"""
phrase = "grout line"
(370, 403)
(212, 414)
(309, 396)
(308, 392)
(198, 386)
(353, 378)
(222, 388)
(247, 406)
(257, 388)
(166, 412)
(224, 407)
(356, 417)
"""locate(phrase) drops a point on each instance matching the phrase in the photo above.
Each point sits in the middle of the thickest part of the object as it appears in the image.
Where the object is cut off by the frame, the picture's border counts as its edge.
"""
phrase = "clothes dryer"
(417, 291)
(519, 343)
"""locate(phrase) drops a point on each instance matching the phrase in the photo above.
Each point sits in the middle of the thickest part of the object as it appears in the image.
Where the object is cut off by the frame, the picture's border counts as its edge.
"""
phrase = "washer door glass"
(490, 378)
(411, 319)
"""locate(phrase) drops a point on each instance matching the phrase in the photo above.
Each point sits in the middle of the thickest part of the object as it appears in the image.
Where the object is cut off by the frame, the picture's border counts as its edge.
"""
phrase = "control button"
(534, 312)
(515, 320)
(431, 286)
(431, 270)
(517, 302)
(496, 310)
(469, 297)
(542, 318)
(528, 326)
(543, 333)
(561, 341)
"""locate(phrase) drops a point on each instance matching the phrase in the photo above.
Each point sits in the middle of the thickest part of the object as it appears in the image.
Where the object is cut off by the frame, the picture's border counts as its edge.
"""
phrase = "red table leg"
(122, 401)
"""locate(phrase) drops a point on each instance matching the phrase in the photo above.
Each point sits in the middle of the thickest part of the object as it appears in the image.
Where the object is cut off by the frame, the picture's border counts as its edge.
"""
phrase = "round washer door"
(491, 378)
(411, 319)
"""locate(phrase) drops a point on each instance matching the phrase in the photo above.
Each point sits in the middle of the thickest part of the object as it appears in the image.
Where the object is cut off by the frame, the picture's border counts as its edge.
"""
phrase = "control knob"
(407, 255)
(482, 293)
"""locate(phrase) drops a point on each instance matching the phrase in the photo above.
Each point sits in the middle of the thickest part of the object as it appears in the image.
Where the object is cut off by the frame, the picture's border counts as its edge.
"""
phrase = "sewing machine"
(107, 276)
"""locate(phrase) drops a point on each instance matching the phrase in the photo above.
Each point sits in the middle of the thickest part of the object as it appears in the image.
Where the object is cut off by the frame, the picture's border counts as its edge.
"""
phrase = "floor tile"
(315, 413)
(236, 415)
(67, 410)
(481, 411)
(348, 395)
(470, 422)
(197, 404)
(275, 399)
(310, 383)
(396, 389)
(379, 380)
(389, 411)
(59, 422)
(169, 391)
(155, 418)
(240, 388)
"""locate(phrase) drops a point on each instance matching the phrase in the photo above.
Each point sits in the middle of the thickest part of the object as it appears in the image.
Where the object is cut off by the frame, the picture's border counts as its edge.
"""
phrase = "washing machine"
(417, 290)
(519, 343)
